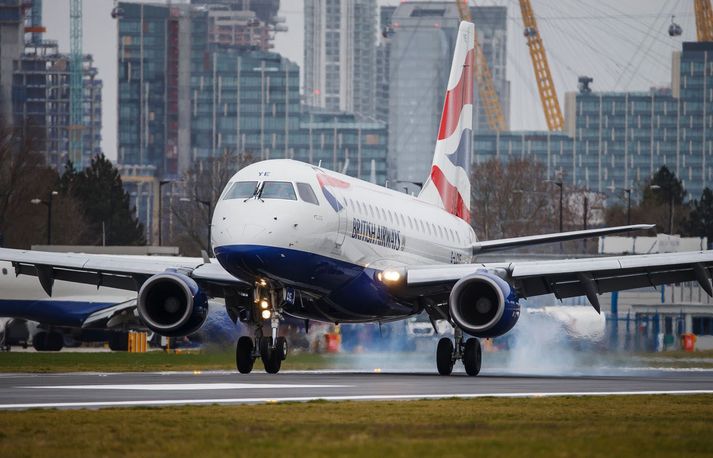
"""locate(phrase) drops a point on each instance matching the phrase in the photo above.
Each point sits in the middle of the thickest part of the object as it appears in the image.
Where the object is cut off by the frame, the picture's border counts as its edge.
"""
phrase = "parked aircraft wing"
(573, 277)
(122, 272)
(530, 240)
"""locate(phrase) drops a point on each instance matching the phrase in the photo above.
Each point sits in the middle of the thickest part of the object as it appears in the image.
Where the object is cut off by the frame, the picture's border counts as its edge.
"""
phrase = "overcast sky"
(623, 45)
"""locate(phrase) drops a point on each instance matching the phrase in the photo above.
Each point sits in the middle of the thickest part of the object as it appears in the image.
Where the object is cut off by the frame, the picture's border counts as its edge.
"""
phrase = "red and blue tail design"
(448, 185)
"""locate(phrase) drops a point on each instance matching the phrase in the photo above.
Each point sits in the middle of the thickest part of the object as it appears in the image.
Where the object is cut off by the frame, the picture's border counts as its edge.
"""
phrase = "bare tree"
(511, 199)
(201, 186)
(24, 177)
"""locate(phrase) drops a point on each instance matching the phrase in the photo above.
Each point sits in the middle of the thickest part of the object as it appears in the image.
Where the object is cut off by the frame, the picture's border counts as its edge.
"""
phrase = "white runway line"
(183, 386)
(178, 402)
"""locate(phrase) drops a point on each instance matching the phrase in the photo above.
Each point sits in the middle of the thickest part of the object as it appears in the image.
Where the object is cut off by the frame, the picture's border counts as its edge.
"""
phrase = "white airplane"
(292, 239)
(78, 310)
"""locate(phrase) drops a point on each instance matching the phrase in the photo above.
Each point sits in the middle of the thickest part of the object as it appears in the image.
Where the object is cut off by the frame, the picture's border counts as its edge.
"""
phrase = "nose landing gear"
(272, 350)
(467, 351)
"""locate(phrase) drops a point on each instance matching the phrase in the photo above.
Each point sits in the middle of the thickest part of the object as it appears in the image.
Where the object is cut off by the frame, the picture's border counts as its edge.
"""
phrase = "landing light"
(390, 276)
(264, 304)
(262, 282)
(266, 314)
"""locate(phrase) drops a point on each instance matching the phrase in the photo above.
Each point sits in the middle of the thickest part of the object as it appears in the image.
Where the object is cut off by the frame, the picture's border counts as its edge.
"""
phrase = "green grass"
(567, 426)
(141, 362)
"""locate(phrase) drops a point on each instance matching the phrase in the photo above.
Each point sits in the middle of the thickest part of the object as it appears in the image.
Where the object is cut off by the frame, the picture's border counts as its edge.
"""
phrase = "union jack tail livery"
(448, 185)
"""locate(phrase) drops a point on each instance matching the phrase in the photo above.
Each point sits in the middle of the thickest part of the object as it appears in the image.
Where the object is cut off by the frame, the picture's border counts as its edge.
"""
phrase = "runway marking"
(404, 397)
(183, 386)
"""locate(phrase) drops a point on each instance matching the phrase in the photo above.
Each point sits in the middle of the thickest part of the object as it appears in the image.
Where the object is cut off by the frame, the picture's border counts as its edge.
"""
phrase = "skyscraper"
(340, 55)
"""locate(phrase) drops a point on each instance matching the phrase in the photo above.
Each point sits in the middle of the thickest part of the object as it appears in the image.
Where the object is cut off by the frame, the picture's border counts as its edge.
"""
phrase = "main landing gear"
(466, 350)
(272, 350)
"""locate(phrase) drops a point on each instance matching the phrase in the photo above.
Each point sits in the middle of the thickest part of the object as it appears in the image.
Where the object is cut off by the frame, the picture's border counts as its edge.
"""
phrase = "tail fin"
(448, 185)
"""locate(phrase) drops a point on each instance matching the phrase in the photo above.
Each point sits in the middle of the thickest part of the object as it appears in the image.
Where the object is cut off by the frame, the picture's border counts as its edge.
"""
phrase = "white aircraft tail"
(448, 185)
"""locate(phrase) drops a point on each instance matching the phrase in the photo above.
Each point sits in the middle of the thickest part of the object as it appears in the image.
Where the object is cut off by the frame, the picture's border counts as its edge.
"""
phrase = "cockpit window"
(306, 193)
(278, 190)
(241, 190)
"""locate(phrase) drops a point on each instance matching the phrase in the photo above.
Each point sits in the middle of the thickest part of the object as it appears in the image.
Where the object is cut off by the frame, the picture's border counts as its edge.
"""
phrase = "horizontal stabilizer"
(530, 240)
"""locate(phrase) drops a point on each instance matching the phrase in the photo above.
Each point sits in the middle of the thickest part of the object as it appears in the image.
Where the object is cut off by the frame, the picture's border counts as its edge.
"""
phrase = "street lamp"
(160, 203)
(208, 205)
(655, 187)
(560, 185)
(628, 206)
(48, 202)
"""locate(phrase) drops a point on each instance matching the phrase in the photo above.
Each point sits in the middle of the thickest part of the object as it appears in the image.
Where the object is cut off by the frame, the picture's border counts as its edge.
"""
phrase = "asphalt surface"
(96, 390)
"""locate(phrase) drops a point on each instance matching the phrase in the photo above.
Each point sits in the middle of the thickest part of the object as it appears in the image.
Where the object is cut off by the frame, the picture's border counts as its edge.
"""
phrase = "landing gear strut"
(467, 351)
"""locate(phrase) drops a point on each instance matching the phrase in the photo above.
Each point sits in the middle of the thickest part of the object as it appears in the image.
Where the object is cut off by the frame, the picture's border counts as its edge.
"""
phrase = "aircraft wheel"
(281, 347)
(472, 357)
(444, 356)
(271, 357)
(119, 341)
(54, 341)
(39, 341)
(244, 355)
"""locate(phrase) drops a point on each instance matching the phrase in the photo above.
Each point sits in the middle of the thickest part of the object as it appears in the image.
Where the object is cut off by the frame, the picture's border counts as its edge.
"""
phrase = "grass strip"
(565, 426)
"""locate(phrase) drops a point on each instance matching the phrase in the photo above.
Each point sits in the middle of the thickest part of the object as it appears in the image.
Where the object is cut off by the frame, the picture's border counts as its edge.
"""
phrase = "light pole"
(208, 205)
(160, 204)
(48, 202)
(656, 187)
(628, 206)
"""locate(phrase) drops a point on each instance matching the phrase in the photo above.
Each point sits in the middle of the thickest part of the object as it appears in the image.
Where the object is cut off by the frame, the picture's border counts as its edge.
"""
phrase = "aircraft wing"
(530, 240)
(574, 277)
(122, 272)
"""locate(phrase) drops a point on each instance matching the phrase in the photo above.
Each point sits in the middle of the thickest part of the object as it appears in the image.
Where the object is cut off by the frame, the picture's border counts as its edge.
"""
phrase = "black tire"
(119, 341)
(271, 358)
(244, 355)
(54, 342)
(39, 341)
(281, 347)
(472, 357)
(444, 356)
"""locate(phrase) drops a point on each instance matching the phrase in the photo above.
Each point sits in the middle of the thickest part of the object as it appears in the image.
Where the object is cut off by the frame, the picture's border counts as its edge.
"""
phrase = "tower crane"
(704, 20)
(76, 115)
(484, 78)
(545, 85)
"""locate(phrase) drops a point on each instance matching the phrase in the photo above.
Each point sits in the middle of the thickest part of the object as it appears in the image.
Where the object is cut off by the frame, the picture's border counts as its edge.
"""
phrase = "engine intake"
(483, 305)
(172, 304)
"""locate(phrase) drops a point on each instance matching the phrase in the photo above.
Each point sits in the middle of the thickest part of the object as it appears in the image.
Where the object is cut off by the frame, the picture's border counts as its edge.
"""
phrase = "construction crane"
(545, 85)
(76, 90)
(484, 78)
(704, 20)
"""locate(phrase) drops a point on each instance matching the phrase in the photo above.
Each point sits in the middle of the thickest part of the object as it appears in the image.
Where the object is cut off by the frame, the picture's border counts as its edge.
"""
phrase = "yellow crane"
(704, 20)
(484, 78)
(545, 85)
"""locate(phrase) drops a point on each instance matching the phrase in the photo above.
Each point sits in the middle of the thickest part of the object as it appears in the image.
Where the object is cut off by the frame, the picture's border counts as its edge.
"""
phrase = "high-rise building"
(12, 30)
(35, 87)
(340, 55)
(421, 50)
(185, 96)
(383, 55)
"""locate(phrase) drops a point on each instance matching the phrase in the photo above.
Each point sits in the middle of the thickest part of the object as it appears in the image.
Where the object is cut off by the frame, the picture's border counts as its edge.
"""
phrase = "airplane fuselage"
(326, 235)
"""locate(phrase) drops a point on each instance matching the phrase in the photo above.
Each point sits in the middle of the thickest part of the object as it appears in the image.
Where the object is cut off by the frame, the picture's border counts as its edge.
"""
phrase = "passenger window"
(278, 190)
(391, 217)
(440, 232)
(371, 209)
(241, 190)
(403, 221)
(306, 193)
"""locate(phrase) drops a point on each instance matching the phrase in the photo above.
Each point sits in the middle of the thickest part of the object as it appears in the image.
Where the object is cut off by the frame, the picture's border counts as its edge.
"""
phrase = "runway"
(98, 390)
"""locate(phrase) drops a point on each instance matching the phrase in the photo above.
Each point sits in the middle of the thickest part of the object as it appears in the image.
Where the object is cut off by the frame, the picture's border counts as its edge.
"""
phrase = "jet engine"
(172, 304)
(483, 305)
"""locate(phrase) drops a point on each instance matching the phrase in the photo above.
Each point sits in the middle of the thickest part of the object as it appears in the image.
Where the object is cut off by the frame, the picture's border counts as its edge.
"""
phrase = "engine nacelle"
(171, 304)
(483, 305)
